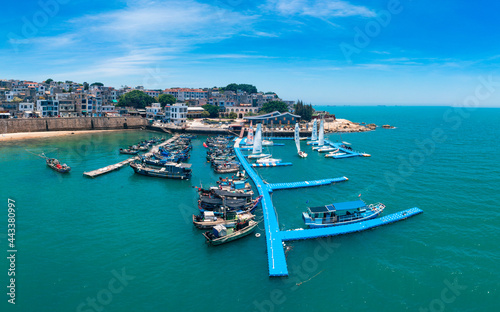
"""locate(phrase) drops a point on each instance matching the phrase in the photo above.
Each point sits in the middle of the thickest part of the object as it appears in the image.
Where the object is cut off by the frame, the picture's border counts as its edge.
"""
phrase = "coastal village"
(173, 108)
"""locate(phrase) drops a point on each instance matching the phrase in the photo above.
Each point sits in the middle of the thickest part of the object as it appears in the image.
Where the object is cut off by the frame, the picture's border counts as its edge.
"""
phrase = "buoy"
(257, 235)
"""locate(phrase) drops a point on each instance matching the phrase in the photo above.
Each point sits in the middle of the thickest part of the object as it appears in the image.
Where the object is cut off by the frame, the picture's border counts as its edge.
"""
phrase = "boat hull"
(233, 236)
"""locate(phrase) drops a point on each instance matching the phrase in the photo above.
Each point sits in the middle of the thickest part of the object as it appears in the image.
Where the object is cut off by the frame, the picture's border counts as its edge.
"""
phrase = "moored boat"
(208, 219)
(220, 234)
(341, 213)
(169, 170)
(268, 160)
(57, 166)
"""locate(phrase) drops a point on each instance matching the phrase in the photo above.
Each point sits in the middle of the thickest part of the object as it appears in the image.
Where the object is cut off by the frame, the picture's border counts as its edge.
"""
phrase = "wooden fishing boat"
(208, 219)
(57, 166)
(220, 234)
(227, 168)
(341, 213)
(170, 170)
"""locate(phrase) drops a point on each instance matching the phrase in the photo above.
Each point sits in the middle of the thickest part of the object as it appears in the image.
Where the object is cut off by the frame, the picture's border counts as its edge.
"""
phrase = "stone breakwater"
(70, 124)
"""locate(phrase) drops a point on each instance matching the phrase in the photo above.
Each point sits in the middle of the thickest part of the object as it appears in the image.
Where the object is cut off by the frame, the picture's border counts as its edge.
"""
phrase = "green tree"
(85, 86)
(48, 81)
(273, 106)
(248, 88)
(136, 98)
(233, 115)
(166, 99)
(205, 114)
(100, 84)
(212, 110)
(305, 111)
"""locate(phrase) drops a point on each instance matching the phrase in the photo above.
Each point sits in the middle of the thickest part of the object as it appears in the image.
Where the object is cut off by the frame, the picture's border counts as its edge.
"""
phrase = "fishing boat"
(227, 167)
(57, 166)
(341, 213)
(208, 219)
(220, 234)
(169, 170)
(128, 151)
(297, 141)
(222, 205)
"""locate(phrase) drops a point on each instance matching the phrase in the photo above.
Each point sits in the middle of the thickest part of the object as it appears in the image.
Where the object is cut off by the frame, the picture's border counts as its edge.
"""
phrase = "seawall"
(70, 124)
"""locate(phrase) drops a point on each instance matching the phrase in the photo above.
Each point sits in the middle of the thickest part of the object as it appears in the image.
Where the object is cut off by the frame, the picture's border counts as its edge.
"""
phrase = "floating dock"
(107, 169)
(272, 164)
(275, 238)
(293, 185)
(347, 152)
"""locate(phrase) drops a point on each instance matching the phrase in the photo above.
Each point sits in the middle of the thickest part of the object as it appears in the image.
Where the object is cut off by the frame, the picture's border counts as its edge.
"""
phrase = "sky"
(408, 52)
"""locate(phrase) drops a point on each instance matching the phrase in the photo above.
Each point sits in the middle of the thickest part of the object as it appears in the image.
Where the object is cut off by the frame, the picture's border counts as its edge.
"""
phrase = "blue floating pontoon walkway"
(292, 185)
(348, 153)
(275, 238)
(272, 165)
(349, 228)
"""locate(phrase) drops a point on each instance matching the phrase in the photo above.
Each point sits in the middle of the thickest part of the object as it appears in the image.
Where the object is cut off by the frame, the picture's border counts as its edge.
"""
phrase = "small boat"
(267, 143)
(169, 170)
(327, 149)
(143, 148)
(208, 219)
(335, 154)
(341, 213)
(302, 154)
(56, 165)
(261, 155)
(227, 167)
(220, 234)
(268, 160)
(128, 151)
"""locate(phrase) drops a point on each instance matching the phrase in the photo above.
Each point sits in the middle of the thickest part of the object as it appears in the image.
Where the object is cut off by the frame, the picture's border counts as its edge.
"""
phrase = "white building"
(178, 114)
(26, 107)
(48, 108)
(154, 111)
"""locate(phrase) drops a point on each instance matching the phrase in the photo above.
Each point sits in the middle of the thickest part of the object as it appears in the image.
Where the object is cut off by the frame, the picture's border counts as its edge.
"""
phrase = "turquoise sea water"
(75, 235)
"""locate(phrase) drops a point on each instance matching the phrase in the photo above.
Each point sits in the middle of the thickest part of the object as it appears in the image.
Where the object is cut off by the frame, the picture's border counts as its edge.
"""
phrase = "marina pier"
(275, 237)
(107, 169)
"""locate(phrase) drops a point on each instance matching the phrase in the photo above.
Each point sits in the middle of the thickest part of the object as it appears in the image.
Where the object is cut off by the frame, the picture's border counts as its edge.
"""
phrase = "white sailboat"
(314, 134)
(250, 136)
(297, 141)
(321, 139)
(257, 144)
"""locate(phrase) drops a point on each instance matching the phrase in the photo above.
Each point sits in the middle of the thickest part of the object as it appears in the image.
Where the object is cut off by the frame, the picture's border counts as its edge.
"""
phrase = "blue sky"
(324, 52)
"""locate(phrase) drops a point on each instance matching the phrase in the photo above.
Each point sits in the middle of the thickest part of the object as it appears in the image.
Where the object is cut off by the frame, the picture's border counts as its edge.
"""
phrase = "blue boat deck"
(275, 238)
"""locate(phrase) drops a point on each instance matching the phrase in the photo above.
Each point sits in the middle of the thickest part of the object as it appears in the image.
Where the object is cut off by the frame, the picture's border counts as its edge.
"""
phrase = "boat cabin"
(331, 213)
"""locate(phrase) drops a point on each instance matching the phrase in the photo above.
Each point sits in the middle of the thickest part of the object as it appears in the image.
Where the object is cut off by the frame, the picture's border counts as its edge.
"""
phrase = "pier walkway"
(292, 185)
(101, 171)
(275, 237)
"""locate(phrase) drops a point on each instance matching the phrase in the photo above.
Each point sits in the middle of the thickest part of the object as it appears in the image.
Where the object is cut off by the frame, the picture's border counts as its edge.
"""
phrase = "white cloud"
(318, 8)
(166, 23)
